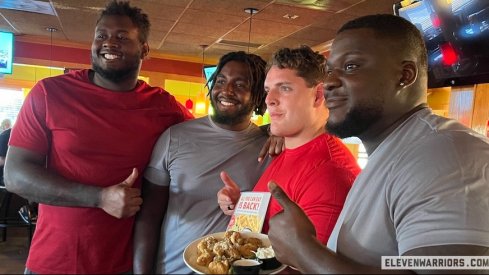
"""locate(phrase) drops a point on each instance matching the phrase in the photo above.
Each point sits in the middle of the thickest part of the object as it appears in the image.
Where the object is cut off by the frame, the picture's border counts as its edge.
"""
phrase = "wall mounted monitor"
(6, 52)
(456, 34)
(208, 72)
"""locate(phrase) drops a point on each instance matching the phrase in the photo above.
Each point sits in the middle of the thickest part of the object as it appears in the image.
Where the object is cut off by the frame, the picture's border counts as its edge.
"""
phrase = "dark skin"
(25, 170)
(230, 94)
(357, 58)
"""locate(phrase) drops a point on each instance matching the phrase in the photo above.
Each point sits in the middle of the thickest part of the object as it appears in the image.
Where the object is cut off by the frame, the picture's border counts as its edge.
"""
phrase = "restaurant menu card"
(250, 211)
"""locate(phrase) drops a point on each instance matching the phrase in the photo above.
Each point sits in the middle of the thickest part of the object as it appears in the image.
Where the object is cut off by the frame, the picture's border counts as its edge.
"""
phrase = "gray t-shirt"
(427, 184)
(188, 158)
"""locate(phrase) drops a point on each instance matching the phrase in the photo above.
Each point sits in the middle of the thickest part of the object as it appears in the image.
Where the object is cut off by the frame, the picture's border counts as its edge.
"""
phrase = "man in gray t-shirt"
(425, 189)
(183, 176)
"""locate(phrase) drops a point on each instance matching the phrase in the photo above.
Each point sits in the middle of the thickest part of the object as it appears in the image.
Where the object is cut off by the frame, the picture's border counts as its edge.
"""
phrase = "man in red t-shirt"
(316, 170)
(78, 145)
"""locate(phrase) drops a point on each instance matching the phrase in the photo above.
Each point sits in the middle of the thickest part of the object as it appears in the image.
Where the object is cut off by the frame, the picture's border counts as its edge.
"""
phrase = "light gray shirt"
(426, 184)
(188, 158)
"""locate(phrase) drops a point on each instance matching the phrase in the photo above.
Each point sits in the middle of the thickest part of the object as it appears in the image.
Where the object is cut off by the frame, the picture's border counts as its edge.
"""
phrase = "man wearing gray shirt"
(182, 179)
(425, 189)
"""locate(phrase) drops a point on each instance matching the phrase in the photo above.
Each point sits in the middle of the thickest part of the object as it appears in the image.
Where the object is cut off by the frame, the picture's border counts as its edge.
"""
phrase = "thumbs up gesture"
(228, 196)
(288, 229)
(122, 200)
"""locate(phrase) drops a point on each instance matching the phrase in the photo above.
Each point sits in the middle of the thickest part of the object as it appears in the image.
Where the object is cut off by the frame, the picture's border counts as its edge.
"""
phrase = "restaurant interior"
(45, 38)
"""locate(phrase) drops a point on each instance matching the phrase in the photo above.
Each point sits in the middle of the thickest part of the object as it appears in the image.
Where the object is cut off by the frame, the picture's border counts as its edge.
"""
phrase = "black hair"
(394, 28)
(309, 65)
(256, 68)
(138, 18)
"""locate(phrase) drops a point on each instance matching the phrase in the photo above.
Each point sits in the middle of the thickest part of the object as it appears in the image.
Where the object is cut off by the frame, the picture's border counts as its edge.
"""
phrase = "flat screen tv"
(456, 34)
(208, 72)
(6, 52)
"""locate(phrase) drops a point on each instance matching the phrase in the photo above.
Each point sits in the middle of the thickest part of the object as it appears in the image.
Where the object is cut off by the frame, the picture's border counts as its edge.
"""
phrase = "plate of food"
(216, 253)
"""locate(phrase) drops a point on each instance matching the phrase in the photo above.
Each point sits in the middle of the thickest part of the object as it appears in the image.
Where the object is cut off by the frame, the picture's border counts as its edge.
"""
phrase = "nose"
(271, 99)
(332, 81)
(228, 88)
(110, 42)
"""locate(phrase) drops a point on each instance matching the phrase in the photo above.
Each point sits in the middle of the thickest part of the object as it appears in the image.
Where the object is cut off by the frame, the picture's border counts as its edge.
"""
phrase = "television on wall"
(6, 52)
(208, 72)
(456, 34)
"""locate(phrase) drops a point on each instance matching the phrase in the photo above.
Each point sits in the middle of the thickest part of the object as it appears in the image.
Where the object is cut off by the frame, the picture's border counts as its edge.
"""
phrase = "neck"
(372, 138)
(292, 142)
(124, 85)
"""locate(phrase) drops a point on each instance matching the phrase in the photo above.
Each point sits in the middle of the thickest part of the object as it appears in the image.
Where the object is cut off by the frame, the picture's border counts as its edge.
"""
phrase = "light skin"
(297, 113)
(25, 172)
(357, 58)
(231, 94)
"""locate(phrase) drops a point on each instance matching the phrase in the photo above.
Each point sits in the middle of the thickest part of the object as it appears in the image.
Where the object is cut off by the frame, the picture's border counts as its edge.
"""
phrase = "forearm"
(315, 258)
(148, 226)
(35, 183)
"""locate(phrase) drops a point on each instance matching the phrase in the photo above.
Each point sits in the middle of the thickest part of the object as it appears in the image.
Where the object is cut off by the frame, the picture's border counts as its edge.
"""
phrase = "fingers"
(280, 196)
(229, 183)
(131, 179)
(225, 202)
(264, 150)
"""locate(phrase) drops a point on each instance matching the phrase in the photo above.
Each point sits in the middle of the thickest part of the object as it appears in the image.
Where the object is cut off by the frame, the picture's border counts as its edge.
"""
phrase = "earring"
(402, 83)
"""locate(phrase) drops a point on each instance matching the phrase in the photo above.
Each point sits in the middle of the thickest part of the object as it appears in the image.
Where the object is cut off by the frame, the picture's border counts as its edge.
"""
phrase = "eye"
(350, 67)
(285, 88)
(220, 81)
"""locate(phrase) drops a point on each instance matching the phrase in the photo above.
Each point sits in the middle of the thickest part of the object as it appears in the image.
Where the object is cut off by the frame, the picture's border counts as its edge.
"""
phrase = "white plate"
(190, 254)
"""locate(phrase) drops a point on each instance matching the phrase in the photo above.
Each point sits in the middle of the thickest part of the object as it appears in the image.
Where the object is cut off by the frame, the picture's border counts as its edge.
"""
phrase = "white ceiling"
(178, 27)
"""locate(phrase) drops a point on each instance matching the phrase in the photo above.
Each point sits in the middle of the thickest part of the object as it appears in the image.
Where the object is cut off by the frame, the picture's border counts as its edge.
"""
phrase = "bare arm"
(148, 224)
(26, 174)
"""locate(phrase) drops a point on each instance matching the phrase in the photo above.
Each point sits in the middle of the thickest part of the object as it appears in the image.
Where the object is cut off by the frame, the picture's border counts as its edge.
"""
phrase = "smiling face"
(295, 108)
(363, 77)
(231, 96)
(117, 52)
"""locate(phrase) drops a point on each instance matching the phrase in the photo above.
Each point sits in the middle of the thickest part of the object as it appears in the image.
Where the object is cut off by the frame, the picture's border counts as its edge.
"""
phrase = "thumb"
(228, 182)
(129, 181)
(280, 196)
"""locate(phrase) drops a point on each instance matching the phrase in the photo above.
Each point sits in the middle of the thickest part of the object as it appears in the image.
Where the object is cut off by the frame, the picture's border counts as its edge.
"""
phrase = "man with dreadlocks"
(182, 179)
(78, 144)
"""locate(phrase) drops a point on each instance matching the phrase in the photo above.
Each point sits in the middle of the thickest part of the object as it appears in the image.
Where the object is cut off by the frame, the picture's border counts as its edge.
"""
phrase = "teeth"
(225, 103)
(110, 56)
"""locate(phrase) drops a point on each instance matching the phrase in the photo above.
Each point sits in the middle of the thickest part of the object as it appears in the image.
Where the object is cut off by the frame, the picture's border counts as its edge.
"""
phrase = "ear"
(319, 94)
(145, 50)
(409, 73)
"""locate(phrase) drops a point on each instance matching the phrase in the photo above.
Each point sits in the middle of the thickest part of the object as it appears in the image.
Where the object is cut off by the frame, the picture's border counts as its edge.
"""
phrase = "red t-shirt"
(317, 176)
(93, 136)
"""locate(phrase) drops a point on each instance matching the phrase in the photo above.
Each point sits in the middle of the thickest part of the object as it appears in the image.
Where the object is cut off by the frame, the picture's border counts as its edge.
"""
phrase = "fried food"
(217, 255)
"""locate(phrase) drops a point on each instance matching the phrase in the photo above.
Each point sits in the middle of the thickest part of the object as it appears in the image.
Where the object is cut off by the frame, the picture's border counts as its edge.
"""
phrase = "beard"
(231, 118)
(357, 120)
(116, 75)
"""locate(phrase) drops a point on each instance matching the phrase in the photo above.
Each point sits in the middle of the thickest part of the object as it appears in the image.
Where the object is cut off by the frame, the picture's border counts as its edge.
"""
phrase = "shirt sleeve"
(322, 195)
(440, 195)
(31, 131)
(157, 170)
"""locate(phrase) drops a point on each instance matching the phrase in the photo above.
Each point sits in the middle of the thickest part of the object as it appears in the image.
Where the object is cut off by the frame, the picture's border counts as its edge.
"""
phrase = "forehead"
(235, 68)
(360, 41)
(116, 22)
(277, 74)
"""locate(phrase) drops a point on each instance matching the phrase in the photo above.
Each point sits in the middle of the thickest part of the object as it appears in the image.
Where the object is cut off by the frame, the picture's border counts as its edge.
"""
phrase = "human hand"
(122, 200)
(229, 195)
(292, 221)
(273, 147)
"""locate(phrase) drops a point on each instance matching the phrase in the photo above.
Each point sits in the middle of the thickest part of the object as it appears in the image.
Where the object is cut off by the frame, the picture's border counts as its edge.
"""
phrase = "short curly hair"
(394, 28)
(138, 18)
(256, 67)
(309, 65)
